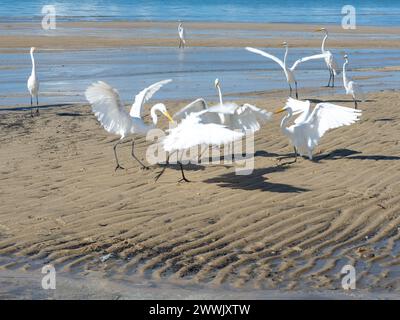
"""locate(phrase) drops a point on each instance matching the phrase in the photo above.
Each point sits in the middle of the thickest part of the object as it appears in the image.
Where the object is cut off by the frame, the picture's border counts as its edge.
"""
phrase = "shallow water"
(64, 75)
(369, 12)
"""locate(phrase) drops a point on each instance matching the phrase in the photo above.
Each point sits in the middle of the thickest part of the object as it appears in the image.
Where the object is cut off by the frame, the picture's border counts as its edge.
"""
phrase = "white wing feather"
(267, 55)
(301, 108)
(145, 95)
(195, 106)
(328, 116)
(304, 59)
(249, 118)
(108, 108)
(192, 132)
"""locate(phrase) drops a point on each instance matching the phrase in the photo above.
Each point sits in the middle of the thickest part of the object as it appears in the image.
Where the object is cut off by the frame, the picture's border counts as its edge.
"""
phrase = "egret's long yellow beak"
(279, 111)
(168, 116)
(317, 30)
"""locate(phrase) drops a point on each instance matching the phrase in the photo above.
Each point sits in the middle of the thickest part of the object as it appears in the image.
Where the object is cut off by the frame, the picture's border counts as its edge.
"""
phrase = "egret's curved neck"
(33, 65)
(220, 95)
(323, 42)
(286, 54)
(285, 121)
(344, 73)
(153, 114)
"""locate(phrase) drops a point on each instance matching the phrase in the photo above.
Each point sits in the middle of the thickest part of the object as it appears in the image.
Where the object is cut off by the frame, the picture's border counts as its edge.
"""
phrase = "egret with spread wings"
(112, 115)
(289, 72)
(311, 125)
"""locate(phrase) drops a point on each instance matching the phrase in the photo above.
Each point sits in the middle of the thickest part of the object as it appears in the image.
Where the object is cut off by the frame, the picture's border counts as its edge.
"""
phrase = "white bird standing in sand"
(330, 61)
(182, 34)
(195, 130)
(310, 126)
(247, 118)
(111, 113)
(33, 83)
(289, 72)
(352, 88)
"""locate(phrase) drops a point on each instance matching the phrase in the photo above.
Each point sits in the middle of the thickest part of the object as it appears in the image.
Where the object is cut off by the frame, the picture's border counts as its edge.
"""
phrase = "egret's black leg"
(183, 173)
(133, 155)
(31, 107)
(116, 157)
(355, 103)
(163, 170)
(333, 79)
(295, 154)
(290, 90)
(330, 78)
(297, 95)
(37, 105)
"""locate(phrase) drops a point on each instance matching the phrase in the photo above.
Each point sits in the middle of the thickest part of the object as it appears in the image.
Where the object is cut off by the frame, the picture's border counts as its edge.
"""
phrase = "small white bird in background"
(33, 84)
(182, 35)
(310, 126)
(111, 113)
(247, 118)
(195, 130)
(289, 72)
(330, 61)
(352, 88)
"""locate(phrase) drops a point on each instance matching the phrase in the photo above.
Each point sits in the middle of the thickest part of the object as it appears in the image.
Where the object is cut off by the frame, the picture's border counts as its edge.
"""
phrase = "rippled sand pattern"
(288, 226)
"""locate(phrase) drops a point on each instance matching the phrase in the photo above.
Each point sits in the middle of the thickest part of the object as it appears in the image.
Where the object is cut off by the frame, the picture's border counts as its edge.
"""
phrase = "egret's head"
(346, 58)
(322, 29)
(216, 83)
(163, 109)
(285, 44)
(33, 49)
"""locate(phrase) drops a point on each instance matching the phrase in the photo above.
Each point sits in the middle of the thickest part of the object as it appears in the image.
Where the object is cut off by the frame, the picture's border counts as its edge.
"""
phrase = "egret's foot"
(184, 180)
(119, 167)
(37, 112)
(144, 168)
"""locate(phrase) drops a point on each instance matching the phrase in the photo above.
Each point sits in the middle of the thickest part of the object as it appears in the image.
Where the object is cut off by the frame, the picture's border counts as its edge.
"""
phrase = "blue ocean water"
(369, 12)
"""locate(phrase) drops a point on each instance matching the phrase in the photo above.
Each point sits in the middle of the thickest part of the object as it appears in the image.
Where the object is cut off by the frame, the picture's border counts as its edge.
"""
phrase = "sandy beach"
(285, 231)
(283, 227)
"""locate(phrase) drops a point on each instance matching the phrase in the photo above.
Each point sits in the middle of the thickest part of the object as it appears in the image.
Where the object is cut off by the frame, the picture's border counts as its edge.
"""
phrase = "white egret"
(310, 126)
(289, 72)
(330, 60)
(33, 83)
(352, 88)
(182, 35)
(110, 112)
(195, 130)
(247, 118)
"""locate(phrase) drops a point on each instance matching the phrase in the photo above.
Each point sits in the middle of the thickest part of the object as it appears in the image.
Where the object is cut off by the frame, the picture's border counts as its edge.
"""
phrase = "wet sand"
(284, 227)
(81, 35)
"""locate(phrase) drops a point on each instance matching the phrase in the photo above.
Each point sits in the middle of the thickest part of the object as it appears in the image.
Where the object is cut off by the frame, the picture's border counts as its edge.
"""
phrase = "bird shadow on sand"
(352, 154)
(71, 114)
(255, 181)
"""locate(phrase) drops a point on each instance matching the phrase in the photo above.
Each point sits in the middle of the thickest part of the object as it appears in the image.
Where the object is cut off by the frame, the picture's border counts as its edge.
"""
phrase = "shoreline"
(163, 34)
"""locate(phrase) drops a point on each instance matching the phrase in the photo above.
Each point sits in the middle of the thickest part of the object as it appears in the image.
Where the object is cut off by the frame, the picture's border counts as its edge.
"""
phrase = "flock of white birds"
(198, 124)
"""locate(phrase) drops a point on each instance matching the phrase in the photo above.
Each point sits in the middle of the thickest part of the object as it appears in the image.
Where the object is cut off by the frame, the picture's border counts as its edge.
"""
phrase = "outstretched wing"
(328, 116)
(267, 55)
(249, 117)
(314, 57)
(108, 108)
(143, 96)
(192, 132)
(300, 108)
(195, 106)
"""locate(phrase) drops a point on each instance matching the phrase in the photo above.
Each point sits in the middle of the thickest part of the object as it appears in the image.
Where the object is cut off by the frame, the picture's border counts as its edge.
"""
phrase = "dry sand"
(206, 34)
(283, 227)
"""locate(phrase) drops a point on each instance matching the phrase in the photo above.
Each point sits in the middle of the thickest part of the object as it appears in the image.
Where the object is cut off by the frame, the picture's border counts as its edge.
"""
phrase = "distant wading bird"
(289, 72)
(330, 61)
(352, 88)
(310, 126)
(33, 84)
(111, 113)
(181, 33)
